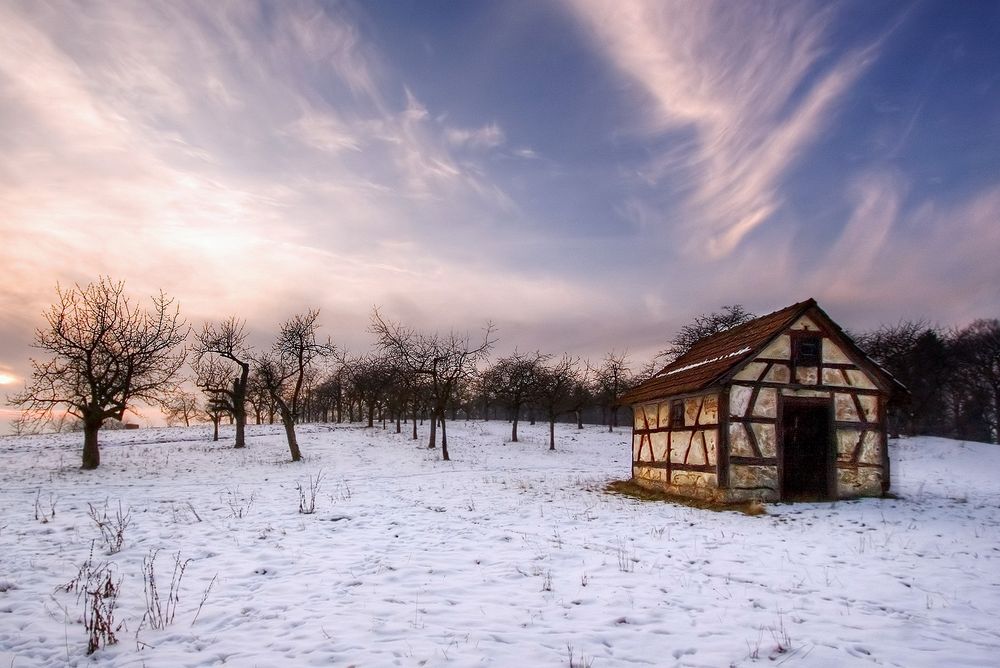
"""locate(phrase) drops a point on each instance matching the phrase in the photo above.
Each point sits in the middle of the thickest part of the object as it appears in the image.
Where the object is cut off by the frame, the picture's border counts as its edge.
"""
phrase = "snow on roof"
(737, 353)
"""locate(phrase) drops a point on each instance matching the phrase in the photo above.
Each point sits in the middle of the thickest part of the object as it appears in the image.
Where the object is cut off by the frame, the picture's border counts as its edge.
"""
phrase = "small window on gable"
(677, 413)
(807, 350)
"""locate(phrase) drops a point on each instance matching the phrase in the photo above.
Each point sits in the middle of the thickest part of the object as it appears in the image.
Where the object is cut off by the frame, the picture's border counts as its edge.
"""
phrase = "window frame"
(800, 338)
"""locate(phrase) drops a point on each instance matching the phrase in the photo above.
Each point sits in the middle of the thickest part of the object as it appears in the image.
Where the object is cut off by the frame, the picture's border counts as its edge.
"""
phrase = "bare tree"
(582, 393)
(515, 381)
(181, 406)
(227, 341)
(260, 401)
(613, 377)
(371, 377)
(555, 391)
(107, 353)
(920, 357)
(704, 325)
(444, 360)
(283, 370)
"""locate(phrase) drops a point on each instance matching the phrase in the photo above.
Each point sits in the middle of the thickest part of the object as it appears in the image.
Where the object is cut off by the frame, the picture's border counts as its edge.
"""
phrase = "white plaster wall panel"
(779, 349)
(739, 399)
(751, 371)
(660, 442)
(869, 404)
(711, 444)
(679, 448)
(805, 323)
(691, 407)
(833, 354)
(844, 408)
(766, 439)
(696, 454)
(637, 415)
(636, 439)
(871, 450)
(664, 414)
(835, 378)
(847, 439)
(779, 373)
(767, 403)
(739, 442)
(806, 375)
(710, 410)
(860, 379)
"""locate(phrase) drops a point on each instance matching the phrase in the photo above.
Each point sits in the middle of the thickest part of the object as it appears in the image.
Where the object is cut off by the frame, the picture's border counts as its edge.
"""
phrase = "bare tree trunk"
(579, 419)
(241, 427)
(399, 421)
(552, 433)
(371, 414)
(444, 438)
(414, 420)
(293, 444)
(513, 430)
(91, 452)
(432, 441)
(215, 427)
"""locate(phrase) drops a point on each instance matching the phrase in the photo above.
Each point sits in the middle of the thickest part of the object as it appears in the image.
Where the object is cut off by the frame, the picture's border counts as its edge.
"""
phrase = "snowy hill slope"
(509, 555)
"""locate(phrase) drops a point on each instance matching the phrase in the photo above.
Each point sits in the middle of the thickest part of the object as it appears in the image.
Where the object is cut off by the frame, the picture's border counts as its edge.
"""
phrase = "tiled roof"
(712, 357)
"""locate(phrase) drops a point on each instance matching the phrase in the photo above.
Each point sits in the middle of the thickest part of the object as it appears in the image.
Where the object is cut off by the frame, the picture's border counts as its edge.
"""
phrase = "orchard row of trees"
(106, 353)
(953, 376)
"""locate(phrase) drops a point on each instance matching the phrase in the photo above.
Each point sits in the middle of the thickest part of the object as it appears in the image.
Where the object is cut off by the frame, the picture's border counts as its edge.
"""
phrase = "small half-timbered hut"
(783, 407)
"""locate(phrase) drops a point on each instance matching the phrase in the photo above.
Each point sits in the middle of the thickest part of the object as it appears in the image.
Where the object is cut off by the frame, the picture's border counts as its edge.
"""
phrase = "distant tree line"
(105, 353)
(953, 377)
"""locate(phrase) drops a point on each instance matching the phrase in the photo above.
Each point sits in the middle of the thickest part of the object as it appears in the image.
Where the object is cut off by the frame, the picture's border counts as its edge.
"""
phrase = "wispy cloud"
(224, 155)
(919, 259)
(742, 88)
(488, 136)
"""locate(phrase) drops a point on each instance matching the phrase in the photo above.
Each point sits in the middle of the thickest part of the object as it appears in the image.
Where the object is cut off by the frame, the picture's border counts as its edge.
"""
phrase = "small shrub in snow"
(112, 527)
(307, 495)
(159, 613)
(99, 611)
(95, 586)
(581, 661)
(626, 557)
(239, 505)
(48, 512)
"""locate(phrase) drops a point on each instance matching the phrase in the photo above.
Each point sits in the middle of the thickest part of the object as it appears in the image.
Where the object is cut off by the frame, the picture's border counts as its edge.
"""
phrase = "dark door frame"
(831, 445)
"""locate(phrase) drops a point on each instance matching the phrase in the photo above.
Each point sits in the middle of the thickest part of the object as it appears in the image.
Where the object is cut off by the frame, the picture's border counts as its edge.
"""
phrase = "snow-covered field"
(509, 555)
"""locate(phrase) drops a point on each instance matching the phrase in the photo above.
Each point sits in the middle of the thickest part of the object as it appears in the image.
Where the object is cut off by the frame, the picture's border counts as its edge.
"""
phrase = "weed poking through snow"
(160, 613)
(112, 527)
(307, 496)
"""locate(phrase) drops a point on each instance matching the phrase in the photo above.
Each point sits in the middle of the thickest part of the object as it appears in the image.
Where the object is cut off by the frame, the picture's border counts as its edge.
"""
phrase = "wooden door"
(807, 449)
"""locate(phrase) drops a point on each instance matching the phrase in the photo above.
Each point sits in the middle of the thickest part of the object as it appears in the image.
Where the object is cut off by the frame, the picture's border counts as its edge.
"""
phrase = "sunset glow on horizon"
(587, 174)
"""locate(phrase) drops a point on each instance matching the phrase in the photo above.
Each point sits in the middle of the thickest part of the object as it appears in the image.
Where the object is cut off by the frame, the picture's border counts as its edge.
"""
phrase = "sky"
(588, 174)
